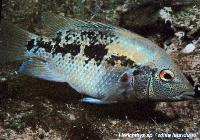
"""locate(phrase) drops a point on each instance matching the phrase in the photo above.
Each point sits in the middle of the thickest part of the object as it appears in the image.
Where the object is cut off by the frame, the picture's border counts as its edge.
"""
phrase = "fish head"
(167, 82)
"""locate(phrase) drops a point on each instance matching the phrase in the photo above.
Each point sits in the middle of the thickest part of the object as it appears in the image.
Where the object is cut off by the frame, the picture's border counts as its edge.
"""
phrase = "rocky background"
(35, 109)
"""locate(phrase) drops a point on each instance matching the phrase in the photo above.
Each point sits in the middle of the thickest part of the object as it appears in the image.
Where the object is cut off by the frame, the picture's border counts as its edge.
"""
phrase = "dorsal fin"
(52, 23)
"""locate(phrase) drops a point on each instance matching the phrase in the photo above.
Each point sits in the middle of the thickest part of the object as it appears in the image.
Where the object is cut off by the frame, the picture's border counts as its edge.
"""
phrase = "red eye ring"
(166, 75)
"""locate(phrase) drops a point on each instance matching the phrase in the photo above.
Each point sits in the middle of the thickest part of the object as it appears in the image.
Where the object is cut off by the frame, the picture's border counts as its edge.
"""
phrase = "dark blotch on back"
(67, 38)
(73, 49)
(39, 44)
(89, 34)
(57, 39)
(124, 61)
(46, 45)
(98, 40)
(95, 51)
(136, 72)
(30, 44)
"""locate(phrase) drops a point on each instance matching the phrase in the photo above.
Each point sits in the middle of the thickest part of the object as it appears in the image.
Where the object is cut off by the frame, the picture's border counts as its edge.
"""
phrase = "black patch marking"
(136, 72)
(57, 39)
(46, 45)
(98, 41)
(30, 44)
(40, 43)
(95, 51)
(124, 61)
(73, 49)
(67, 38)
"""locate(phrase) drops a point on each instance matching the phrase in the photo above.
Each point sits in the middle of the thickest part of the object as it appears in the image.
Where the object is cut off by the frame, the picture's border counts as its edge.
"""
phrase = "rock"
(72, 117)
(165, 14)
(3, 79)
(189, 48)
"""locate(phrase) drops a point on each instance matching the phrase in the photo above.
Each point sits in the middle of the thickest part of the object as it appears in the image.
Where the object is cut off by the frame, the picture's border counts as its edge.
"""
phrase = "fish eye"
(166, 75)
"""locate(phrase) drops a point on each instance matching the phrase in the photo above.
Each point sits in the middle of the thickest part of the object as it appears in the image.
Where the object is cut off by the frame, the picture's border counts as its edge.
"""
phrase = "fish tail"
(13, 42)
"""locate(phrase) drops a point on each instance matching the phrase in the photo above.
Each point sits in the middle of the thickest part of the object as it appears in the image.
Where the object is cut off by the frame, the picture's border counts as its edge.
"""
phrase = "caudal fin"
(13, 42)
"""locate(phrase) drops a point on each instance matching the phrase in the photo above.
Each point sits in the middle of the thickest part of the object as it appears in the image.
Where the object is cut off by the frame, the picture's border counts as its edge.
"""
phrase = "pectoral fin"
(41, 69)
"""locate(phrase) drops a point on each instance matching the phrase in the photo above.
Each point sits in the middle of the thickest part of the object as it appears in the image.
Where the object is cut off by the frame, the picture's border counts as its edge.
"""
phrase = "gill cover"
(142, 77)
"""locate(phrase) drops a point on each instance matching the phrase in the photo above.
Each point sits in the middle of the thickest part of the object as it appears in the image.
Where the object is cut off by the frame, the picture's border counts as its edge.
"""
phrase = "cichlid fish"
(107, 63)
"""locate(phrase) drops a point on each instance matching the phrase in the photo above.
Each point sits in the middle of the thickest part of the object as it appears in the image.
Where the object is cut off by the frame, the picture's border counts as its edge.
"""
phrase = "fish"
(106, 63)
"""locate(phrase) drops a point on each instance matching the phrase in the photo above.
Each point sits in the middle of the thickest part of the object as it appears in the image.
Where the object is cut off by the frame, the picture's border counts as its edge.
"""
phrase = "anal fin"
(96, 101)
(92, 100)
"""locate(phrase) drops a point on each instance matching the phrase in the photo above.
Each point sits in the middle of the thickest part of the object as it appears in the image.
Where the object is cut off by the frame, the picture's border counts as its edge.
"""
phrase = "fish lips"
(186, 95)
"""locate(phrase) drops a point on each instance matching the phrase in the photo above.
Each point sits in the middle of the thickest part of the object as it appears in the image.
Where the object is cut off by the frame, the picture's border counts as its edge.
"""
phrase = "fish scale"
(78, 74)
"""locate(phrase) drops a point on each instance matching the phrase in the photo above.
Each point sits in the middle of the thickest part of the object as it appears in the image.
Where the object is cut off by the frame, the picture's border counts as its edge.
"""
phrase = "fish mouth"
(186, 95)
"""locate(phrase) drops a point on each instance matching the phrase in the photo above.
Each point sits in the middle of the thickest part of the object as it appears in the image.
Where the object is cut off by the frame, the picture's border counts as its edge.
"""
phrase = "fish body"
(107, 63)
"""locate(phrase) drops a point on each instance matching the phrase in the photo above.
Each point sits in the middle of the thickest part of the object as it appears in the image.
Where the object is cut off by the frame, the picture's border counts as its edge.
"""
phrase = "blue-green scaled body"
(107, 63)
